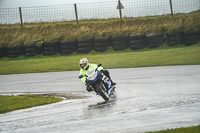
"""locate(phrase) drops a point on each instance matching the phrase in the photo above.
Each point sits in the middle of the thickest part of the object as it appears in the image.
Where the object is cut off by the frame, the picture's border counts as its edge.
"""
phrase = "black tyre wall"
(101, 45)
(15, 51)
(172, 40)
(32, 50)
(85, 46)
(68, 47)
(51, 48)
(155, 41)
(3, 52)
(120, 43)
(138, 42)
(189, 38)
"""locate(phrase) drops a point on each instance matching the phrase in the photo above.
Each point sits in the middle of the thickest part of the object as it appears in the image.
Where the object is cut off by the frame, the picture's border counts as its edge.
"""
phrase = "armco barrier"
(155, 41)
(138, 42)
(51, 48)
(85, 45)
(120, 43)
(189, 38)
(101, 45)
(68, 47)
(32, 50)
(172, 40)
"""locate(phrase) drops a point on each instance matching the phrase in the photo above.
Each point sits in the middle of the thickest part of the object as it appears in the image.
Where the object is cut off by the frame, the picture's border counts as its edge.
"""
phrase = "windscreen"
(90, 71)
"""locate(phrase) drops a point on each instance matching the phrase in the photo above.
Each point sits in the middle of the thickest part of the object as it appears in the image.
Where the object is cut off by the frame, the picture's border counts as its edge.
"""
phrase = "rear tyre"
(102, 92)
(114, 95)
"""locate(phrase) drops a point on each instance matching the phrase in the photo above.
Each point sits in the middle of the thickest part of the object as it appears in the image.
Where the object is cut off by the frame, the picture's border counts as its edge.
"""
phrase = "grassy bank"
(11, 103)
(193, 129)
(14, 35)
(162, 56)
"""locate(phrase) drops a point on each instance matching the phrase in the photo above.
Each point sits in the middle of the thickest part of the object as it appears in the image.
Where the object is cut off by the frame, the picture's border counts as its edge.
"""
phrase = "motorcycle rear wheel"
(103, 93)
(114, 95)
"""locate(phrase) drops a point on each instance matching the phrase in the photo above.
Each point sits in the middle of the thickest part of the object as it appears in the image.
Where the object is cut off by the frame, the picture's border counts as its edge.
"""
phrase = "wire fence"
(99, 10)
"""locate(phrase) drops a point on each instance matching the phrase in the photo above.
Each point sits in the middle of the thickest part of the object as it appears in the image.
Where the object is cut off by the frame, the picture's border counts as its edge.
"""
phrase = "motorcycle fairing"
(93, 75)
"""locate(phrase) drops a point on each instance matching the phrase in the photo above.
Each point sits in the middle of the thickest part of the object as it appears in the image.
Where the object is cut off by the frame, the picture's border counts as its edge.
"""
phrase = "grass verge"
(162, 56)
(11, 103)
(193, 129)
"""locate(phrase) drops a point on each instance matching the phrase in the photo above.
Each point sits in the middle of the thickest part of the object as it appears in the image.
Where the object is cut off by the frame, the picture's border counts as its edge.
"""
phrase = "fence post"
(76, 13)
(120, 11)
(171, 7)
(20, 13)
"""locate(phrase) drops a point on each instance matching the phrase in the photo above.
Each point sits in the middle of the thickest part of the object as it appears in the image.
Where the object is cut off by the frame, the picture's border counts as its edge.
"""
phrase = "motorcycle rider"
(85, 65)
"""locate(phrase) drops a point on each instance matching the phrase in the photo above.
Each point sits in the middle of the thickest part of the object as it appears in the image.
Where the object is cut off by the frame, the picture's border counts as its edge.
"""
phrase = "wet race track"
(148, 99)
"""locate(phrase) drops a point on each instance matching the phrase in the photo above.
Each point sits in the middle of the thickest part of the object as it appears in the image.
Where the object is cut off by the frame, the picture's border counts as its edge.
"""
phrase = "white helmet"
(83, 63)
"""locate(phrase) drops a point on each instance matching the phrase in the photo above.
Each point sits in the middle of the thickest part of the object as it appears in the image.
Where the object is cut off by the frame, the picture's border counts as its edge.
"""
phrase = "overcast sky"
(29, 3)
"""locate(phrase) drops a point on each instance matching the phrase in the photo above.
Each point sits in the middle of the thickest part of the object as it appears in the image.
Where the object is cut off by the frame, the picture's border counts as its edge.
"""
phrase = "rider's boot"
(112, 83)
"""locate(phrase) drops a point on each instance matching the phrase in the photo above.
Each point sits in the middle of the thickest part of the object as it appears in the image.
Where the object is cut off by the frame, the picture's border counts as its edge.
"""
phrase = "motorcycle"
(99, 83)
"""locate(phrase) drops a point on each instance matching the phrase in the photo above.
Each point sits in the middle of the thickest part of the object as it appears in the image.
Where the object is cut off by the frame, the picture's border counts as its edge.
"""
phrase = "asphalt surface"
(148, 99)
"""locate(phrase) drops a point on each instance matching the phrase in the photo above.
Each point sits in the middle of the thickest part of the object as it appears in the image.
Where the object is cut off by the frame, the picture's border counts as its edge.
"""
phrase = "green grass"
(11, 103)
(193, 129)
(162, 56)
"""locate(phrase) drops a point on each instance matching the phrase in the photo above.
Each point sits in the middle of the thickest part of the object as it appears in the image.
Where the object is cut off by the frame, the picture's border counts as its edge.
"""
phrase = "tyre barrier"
(51, 48)
(68, 47)
(15, 51)
(101, 45)
(3, 52)
(120, 43)
(172, 40)
(155, 41)
(32, 50)
(85, 45)
(189, 38)
(138, 42)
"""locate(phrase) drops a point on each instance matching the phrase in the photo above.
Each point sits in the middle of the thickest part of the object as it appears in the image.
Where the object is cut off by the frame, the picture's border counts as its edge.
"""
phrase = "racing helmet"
(84, 63)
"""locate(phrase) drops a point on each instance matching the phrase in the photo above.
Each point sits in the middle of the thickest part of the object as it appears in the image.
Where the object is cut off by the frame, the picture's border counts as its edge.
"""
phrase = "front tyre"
(103, 93)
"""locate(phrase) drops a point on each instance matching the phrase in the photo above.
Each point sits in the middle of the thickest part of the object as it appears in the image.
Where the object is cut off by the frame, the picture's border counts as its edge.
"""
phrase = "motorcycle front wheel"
(103, 93)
